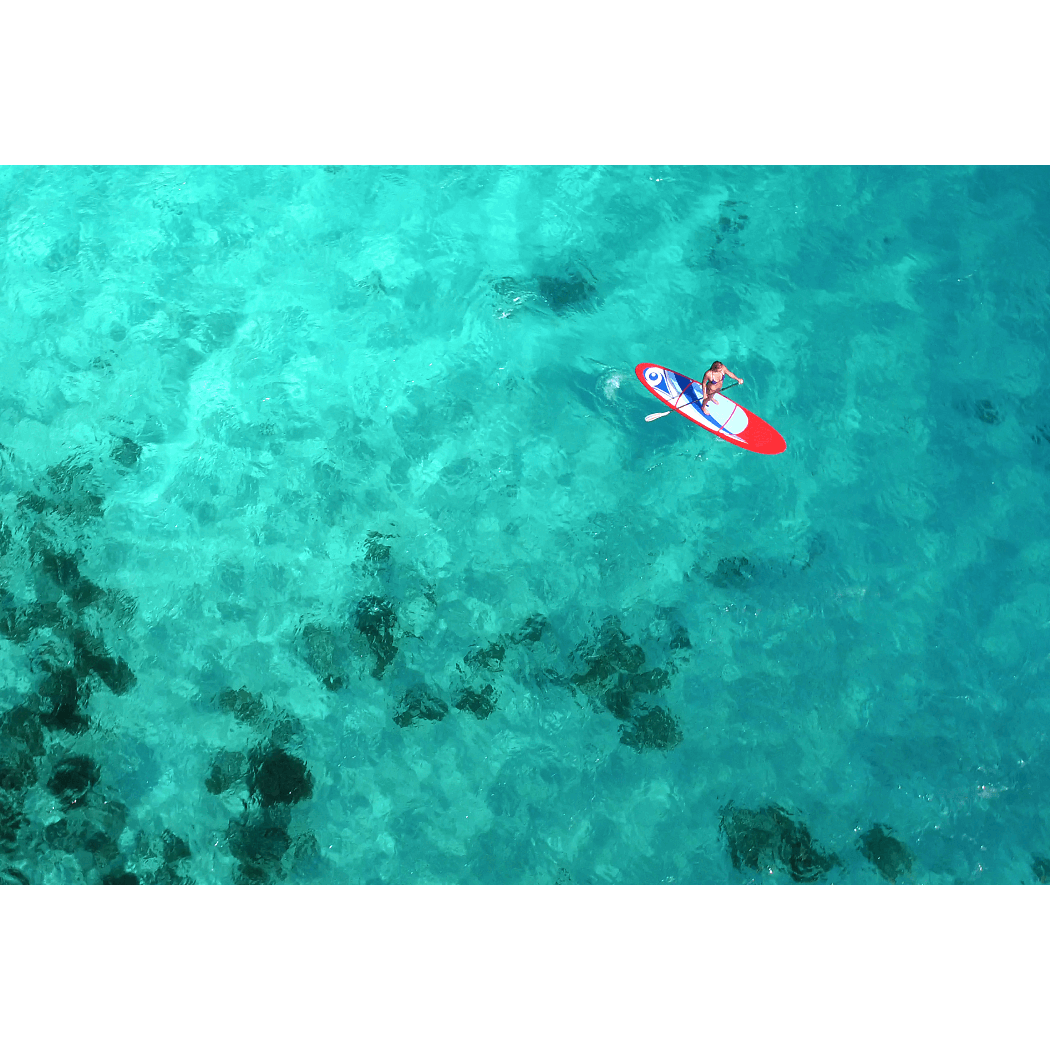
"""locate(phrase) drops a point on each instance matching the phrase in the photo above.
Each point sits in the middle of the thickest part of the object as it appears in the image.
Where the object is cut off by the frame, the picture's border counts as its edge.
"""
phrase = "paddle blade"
(656, 415)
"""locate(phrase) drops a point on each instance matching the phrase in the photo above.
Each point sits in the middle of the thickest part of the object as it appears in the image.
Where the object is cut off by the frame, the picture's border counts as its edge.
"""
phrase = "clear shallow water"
(297, 460)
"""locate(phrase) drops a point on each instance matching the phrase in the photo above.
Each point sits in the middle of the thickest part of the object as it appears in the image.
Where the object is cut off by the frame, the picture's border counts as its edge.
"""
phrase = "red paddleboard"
(723, 417)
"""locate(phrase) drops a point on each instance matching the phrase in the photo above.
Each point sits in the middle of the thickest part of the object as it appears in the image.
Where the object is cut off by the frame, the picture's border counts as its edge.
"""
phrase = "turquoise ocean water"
(336, 546)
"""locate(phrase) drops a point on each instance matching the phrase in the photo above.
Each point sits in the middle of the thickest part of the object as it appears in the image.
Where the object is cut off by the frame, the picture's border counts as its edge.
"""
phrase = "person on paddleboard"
(711, 384)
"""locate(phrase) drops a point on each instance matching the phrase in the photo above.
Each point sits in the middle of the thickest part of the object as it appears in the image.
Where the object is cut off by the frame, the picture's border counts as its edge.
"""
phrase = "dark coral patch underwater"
(891, 857)
(768, 839)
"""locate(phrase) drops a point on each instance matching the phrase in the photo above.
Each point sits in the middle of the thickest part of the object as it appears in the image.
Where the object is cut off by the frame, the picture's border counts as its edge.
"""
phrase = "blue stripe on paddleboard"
(689, 388)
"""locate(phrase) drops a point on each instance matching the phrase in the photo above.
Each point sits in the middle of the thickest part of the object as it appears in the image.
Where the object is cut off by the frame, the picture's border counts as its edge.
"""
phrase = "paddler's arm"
(736, 377)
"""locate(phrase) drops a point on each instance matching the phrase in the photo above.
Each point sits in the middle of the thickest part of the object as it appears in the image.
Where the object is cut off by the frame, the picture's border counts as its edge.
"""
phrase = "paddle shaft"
(660, 415)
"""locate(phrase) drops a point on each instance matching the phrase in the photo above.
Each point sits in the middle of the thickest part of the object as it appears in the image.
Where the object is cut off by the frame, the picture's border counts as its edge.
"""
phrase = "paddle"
(660, 415)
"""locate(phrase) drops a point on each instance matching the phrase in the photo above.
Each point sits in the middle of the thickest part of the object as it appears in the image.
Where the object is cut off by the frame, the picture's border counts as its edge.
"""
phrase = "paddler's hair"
(718, 364)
